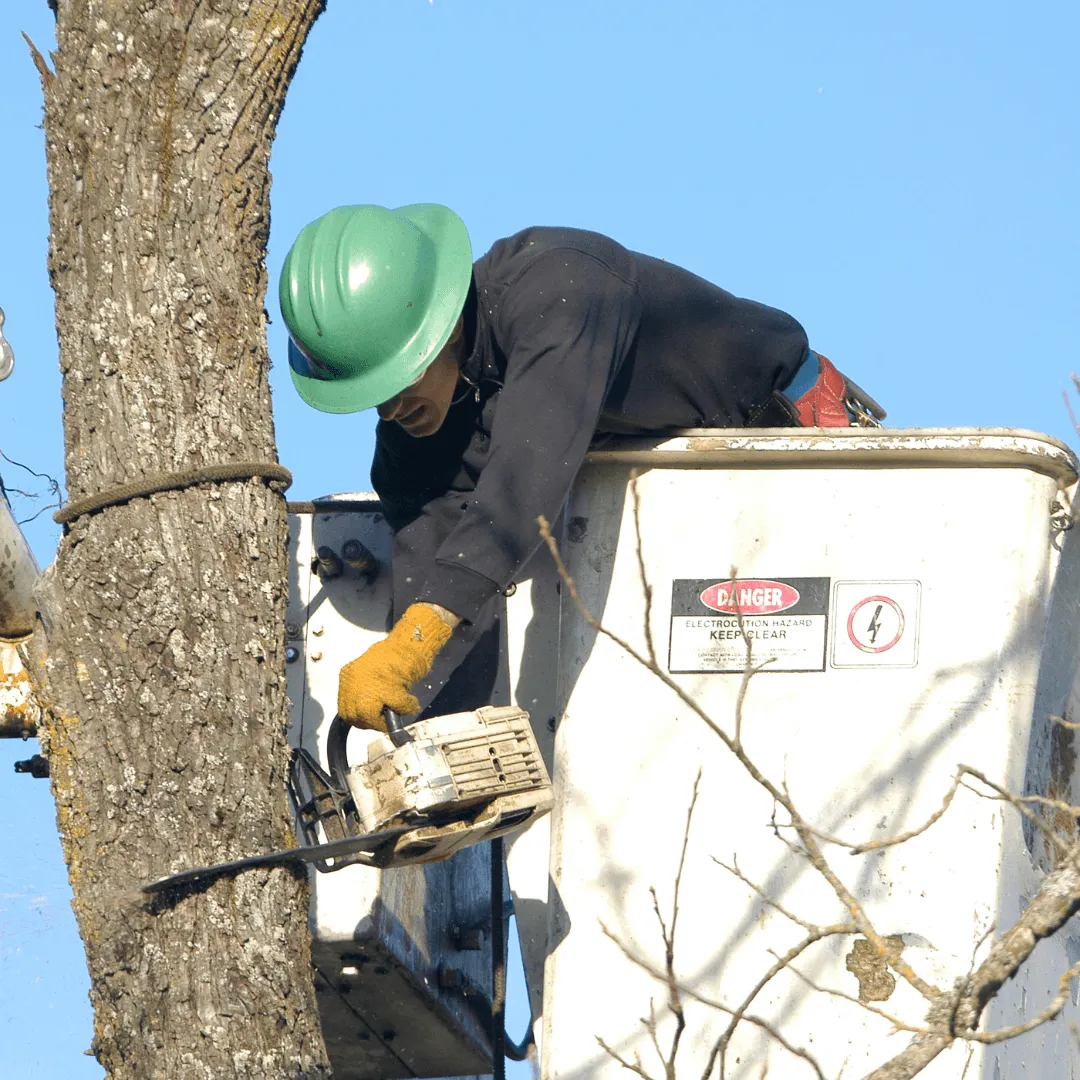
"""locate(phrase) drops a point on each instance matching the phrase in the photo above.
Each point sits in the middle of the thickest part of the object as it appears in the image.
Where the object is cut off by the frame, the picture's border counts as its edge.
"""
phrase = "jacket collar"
(479, 364)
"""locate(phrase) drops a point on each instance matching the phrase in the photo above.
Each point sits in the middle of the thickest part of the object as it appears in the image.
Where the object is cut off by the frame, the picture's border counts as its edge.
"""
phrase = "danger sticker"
(876, 623)
(750, 597)
(784, 620)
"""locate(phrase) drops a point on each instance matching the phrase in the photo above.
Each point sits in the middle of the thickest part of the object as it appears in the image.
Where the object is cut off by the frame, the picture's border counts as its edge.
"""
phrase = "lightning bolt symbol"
(875, 626)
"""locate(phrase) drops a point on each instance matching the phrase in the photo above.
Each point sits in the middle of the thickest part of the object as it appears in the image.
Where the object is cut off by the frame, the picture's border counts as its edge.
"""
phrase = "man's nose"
(391, 409)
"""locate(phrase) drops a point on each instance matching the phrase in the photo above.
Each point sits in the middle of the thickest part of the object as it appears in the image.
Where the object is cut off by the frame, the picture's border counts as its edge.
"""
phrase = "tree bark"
(159, 650)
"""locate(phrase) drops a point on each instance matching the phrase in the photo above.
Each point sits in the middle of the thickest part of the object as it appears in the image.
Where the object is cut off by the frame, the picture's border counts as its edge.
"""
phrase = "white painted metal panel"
(379, 938)
(944, 539)
(18, 572)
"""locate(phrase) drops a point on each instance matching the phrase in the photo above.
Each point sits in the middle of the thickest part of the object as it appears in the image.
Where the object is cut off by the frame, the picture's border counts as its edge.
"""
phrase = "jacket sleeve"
(565, 325)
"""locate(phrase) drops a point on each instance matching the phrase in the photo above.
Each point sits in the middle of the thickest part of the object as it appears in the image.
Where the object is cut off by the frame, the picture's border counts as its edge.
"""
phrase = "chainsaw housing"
(463, 779)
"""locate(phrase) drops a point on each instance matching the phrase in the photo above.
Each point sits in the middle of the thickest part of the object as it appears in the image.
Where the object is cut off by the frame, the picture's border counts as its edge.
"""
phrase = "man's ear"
(459, 329)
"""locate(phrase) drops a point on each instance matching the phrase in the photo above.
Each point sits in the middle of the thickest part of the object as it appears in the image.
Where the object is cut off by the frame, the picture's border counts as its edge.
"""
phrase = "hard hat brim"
(450, 288)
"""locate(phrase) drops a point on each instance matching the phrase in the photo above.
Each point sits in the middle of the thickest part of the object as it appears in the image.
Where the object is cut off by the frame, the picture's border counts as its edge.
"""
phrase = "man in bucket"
(491, 379)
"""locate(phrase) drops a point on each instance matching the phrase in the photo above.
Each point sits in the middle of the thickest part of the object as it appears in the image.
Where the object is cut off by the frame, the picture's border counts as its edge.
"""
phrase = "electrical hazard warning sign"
(875, 624)
(783, 619)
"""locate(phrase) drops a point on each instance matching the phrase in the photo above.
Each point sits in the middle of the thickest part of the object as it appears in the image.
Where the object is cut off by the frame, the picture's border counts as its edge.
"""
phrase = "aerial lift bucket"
(912, 602)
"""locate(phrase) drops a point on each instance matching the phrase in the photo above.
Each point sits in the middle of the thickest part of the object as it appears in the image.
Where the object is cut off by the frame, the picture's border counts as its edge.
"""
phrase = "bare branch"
(646, 588)
(649, 1024)
(1068, 404)
(1069, 408)
(914, 1058)
(1052, 804)
(897, 1023)
(634, 1067)
(54, 488)
(748, 668)
(815, 934)
(1057, 900)
(773, 902)
(1049, 1013)
(682, 855)
(1003, 795)
(957, 1015)
(690, 992)
(903, 838)
(890, 841)
(757, 1021)
(1067, 724)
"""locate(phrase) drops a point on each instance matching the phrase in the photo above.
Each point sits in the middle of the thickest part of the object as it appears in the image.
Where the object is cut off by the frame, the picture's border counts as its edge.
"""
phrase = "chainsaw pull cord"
(498, 963)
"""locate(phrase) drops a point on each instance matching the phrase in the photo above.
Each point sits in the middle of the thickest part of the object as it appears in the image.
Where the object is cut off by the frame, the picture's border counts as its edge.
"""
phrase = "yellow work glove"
(384, 674)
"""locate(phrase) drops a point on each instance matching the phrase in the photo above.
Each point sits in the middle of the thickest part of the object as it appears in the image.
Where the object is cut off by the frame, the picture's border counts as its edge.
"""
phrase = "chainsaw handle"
(337, 757)
(398, 732)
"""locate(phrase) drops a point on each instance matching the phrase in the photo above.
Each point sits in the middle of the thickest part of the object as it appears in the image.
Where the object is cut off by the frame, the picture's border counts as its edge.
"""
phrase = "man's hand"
(384, 674)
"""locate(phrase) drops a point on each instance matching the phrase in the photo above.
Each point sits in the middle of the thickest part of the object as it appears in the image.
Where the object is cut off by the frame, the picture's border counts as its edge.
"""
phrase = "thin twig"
(702, 999)
(814, 935)
(649, 1023)
(897, 1023)
(1068, 404)
(903, 838)
(1053, 804)
(770, 900)
(682, 854)
(1003, 795)
(633, 1067)
(54, 488)
(1049, 1013)
(890, 841)
(646, 588)
(748, 672)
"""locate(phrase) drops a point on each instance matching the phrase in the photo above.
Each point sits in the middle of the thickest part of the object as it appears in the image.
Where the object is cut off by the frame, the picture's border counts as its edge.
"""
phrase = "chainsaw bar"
(310, 853)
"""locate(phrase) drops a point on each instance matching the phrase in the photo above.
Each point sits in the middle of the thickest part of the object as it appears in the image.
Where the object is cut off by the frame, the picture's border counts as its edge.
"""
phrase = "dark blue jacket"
(570, 335)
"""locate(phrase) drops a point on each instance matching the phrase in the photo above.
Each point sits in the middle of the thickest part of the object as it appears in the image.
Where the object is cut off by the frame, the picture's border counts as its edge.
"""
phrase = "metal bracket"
(1061, 519)
(7, 354)
(37, 767)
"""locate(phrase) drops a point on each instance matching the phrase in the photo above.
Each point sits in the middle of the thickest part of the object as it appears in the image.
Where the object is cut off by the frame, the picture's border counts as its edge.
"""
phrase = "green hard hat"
(370, 296)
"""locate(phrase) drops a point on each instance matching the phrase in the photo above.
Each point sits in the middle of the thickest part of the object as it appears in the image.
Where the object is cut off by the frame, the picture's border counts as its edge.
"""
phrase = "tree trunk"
(159, 653)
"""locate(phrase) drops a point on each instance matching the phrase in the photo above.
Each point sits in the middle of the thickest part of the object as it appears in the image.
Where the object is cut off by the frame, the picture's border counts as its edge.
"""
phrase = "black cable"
(498, 963)
(269, 471)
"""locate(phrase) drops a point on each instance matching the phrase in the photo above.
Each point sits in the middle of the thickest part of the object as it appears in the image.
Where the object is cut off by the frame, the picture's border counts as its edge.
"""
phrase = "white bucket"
(908, 583)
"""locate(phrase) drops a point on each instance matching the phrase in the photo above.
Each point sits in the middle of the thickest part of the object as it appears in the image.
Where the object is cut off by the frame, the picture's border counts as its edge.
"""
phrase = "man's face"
(421, 408)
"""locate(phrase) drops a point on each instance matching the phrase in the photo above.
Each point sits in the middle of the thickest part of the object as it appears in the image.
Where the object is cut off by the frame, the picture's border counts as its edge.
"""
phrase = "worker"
(491, 380)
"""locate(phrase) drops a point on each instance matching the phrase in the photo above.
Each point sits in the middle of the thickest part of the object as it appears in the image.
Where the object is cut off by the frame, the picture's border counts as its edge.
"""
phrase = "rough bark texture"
(159, 654)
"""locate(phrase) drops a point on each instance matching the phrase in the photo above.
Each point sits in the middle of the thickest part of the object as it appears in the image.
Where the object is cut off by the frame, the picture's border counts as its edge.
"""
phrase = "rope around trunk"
(271, 472)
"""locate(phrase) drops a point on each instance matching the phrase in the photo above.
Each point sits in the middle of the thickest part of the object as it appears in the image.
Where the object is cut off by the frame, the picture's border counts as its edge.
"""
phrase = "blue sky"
(901, 177)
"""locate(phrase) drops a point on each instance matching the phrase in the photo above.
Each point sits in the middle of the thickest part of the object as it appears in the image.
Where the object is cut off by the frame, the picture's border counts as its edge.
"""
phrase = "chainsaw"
(424, 792)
